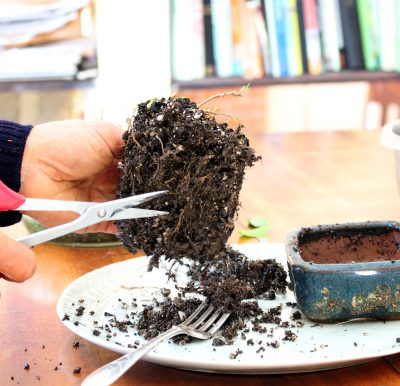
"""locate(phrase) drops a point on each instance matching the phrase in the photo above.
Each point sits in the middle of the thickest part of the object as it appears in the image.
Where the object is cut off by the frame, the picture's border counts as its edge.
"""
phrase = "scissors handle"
(9, 200)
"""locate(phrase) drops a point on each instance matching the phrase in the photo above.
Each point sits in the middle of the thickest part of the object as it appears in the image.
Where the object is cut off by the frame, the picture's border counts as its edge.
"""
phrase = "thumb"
(17, 261)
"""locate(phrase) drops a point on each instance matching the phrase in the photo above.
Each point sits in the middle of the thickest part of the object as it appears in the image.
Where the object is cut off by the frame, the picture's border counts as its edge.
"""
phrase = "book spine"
(273, 38)
(368, 27)
(262, 34)
(198, 45)
(339, 31)
(302, 32)
(397, 35)
(221, 29)
(376, 31)
(182, 38)
(294, 35)
(387, 24)
(254, 67)
(280, 27)
(329, 35)
(351, 34)
(313, 44)
(237, 38)
(208, 39)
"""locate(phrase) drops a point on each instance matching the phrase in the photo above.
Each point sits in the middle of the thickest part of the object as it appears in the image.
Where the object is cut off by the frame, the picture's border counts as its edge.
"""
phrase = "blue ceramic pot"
(346, 271)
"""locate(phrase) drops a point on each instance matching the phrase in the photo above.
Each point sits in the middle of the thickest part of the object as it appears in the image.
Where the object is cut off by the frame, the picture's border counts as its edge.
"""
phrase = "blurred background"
(311, 64)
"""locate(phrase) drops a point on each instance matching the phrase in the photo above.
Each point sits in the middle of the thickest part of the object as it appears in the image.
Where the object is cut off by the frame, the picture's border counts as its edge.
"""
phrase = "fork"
(203, 323)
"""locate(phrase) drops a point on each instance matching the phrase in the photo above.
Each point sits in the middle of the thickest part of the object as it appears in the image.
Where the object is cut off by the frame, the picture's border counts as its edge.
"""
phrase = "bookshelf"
(285, 41)
(47, 84)
(318, 51)
(49, 42)
(132, 46)
(48, 59)
(331, 77)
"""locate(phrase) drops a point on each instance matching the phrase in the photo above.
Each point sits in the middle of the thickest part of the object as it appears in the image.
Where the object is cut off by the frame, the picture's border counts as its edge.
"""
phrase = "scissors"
(90, 212)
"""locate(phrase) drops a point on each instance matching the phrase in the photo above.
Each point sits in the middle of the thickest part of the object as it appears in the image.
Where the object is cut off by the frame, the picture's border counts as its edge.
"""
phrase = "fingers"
(112, 135)
(17, 261)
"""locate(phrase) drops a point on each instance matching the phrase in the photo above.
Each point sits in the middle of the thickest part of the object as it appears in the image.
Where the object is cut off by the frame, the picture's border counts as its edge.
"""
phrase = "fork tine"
(202, 317)
(210, 321)
(195, 313)
(220, 322)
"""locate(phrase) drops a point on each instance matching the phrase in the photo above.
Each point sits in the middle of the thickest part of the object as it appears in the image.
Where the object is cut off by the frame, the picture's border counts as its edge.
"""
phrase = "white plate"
(317, 347)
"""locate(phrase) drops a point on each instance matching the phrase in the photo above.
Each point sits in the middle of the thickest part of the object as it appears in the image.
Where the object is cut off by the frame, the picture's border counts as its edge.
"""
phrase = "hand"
(71, 160)
(17, 261)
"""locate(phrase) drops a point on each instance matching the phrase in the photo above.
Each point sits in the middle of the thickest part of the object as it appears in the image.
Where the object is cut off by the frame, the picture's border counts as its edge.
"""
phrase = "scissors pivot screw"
(101, 213)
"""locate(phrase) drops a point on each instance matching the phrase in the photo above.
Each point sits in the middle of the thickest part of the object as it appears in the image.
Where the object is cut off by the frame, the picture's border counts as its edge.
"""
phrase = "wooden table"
(304, 179)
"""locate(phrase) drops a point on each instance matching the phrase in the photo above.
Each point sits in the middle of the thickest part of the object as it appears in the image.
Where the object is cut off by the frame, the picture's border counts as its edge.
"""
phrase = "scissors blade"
(136, 213)
(39, 204)
(131, 201)
(112, 210)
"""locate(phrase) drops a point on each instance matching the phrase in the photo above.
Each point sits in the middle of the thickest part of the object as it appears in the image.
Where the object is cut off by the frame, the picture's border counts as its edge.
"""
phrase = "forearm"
(12, 144)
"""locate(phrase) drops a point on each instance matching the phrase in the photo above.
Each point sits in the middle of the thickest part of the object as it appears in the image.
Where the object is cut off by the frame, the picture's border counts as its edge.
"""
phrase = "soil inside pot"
(348, 246)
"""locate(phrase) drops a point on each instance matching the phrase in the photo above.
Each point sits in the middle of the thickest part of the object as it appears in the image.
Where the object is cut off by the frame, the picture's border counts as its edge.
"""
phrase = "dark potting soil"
(352, 245)
(231, 277)
(226, 282)
(173, 145)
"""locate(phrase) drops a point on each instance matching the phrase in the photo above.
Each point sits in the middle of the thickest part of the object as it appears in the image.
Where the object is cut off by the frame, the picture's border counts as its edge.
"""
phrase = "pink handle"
(9, 200)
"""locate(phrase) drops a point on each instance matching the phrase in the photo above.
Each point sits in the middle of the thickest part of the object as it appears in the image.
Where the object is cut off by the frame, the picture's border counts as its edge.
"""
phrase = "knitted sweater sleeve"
(12, 145)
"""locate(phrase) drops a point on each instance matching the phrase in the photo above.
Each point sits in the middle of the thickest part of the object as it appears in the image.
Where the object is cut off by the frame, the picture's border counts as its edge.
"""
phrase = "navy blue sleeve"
(12, 145)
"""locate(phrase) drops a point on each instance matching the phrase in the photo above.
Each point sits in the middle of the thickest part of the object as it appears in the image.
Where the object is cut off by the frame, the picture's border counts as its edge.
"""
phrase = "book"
(222, 37)
(273, 38)
(55, 60)
(302, 32)
(293, 44)
(329, 35)
(252, 55)
(208, 39)
(237, 38)
(258, 20)
(369, 34)
(198, 45)
(339, 31)
(280, 14)
(313, 45)
(188, 33)
(387, 29)
(23, 11)
(351, 34)
(397, 35)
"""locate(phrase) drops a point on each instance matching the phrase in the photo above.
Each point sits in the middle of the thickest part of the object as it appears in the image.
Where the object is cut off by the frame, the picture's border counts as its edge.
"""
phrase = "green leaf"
(257, 221)
(150, 102)
(255, 232)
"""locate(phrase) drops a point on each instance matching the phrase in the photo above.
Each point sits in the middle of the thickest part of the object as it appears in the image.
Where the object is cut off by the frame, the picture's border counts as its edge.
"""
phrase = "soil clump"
(171, 144)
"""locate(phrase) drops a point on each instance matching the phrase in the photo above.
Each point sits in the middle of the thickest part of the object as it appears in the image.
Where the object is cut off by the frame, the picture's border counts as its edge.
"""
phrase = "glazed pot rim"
(294, 258)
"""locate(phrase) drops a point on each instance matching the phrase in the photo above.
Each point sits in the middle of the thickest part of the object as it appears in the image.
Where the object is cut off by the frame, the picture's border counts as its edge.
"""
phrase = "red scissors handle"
(9, 200)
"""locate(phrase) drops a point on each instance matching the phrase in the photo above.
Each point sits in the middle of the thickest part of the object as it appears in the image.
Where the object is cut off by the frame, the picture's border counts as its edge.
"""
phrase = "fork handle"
(110, 372)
